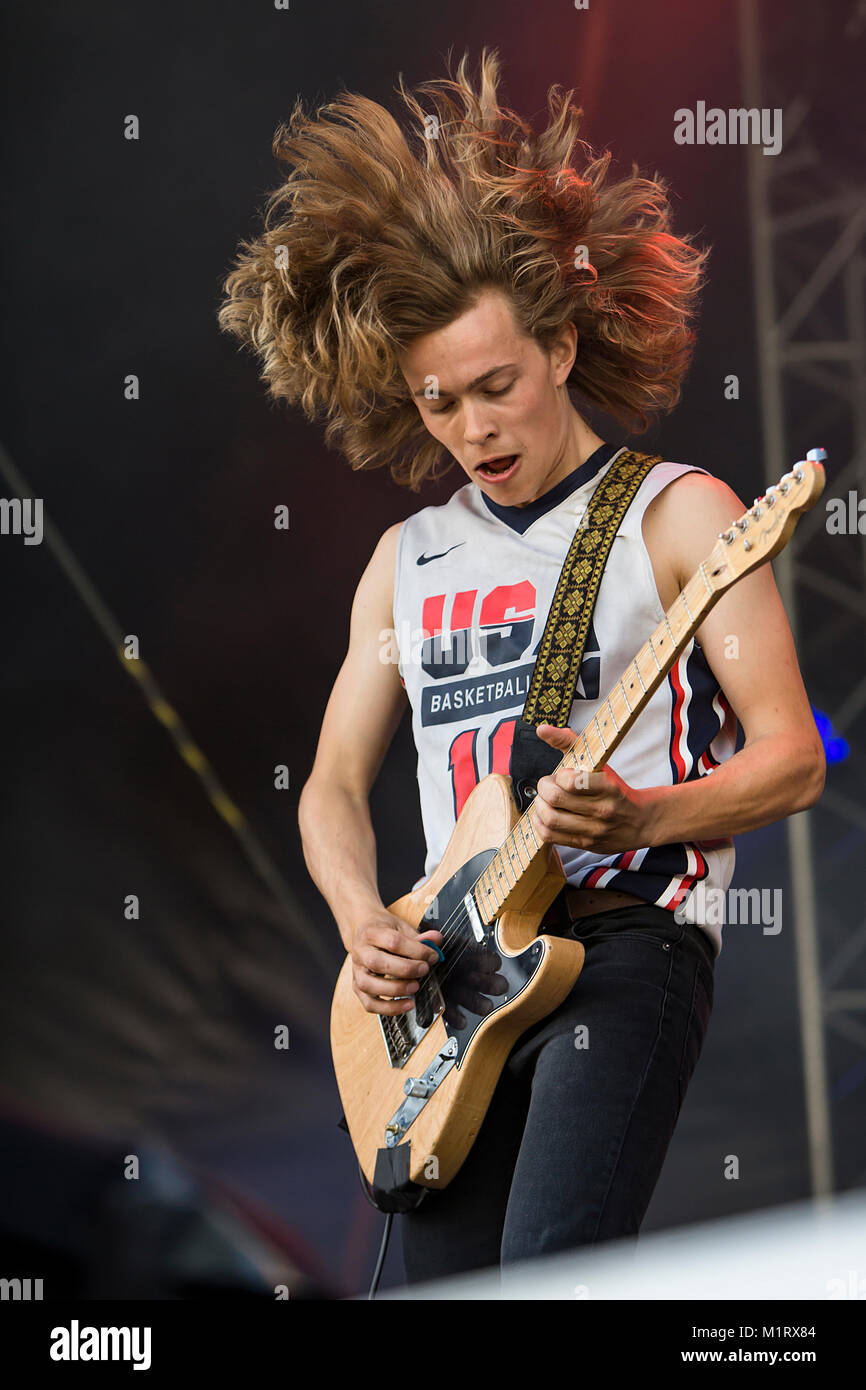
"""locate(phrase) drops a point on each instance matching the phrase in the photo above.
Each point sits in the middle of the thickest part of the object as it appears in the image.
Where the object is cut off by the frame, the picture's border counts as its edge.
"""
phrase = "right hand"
(389, 958)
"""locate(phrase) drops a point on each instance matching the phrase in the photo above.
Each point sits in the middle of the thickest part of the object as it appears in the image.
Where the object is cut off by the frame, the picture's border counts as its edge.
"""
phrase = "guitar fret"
(519, 826)
(500, 870)
(581, 752)
(516, 847)
(492, 887)
(704, 578)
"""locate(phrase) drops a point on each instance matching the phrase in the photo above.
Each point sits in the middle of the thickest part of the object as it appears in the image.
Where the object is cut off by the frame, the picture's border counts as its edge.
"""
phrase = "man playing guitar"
(468, 319)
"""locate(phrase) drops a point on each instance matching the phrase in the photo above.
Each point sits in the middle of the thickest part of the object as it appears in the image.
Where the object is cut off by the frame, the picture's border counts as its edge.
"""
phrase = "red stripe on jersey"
(687, 880)
(677, 720)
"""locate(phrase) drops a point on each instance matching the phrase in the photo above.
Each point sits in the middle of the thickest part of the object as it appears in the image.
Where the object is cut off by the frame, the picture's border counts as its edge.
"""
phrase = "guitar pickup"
(474, 916)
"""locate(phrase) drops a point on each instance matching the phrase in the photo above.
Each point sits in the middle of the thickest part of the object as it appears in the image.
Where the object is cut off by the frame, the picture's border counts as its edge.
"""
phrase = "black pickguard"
(473, 969)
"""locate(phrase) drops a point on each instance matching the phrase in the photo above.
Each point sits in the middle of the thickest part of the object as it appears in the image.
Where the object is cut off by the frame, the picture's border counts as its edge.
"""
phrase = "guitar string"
(440, 972)
(444, 969)
(447, 967)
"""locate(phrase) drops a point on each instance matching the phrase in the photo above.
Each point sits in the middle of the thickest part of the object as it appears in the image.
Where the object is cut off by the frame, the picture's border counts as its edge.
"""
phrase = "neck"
(579, 442)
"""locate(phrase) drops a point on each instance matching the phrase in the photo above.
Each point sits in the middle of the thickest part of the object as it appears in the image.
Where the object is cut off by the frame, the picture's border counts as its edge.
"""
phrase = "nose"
(477, 428)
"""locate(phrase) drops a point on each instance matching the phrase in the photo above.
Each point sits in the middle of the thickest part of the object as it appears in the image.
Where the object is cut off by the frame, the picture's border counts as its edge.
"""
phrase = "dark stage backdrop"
(114, 254)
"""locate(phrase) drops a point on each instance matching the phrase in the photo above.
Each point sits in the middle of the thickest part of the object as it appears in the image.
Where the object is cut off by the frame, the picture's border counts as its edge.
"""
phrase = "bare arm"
(748, 644)
(361, 718)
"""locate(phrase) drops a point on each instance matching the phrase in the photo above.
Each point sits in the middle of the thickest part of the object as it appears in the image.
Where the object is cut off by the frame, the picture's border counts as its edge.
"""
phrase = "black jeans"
(573, 1142)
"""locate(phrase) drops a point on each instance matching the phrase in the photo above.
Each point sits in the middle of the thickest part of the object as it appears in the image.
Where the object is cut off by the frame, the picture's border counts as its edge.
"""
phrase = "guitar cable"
(386, 1235)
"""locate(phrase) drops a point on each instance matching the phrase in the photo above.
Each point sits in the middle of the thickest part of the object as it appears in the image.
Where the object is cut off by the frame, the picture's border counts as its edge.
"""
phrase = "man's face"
(497, 398)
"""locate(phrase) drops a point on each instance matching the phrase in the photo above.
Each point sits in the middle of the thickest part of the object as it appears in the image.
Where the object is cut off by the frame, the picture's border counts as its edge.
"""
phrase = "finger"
(397, 943)
(575, 830)
(556, 735)
(577, 780)
(385, 1006)
(435, 940)
(572, 810)
(575, 789)
(380, 963)
(375, 985)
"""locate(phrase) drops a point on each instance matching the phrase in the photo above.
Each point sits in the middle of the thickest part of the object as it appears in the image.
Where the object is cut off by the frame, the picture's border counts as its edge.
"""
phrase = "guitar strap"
(551, 690)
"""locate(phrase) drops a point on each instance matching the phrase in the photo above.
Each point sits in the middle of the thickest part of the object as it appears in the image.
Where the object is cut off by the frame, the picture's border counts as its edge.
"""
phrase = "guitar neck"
(605, 731)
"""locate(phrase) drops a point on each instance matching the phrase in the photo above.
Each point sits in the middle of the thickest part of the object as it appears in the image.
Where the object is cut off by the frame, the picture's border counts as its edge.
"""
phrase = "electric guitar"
(415, 1086)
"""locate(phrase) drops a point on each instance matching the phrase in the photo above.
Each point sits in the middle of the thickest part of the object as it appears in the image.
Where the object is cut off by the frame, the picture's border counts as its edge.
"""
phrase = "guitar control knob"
(416, 1086)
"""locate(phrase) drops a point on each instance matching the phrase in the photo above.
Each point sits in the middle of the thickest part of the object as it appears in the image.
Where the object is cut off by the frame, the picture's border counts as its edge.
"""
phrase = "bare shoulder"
(682, 523)
(375, 590)
(697, 496)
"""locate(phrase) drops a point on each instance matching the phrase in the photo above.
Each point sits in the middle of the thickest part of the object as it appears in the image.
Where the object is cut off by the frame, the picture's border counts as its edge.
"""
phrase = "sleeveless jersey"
(473, 584)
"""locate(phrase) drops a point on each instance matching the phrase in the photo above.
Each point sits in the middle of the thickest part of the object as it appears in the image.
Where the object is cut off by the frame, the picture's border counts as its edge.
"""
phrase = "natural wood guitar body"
(371, 1089)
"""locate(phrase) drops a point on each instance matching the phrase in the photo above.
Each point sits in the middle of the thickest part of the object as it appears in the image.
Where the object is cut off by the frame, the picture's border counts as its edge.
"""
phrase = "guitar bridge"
(403, 1032)
(418, 1091)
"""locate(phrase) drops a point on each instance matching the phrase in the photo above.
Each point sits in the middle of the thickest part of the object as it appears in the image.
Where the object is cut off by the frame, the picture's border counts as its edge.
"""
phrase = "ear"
(564, 352)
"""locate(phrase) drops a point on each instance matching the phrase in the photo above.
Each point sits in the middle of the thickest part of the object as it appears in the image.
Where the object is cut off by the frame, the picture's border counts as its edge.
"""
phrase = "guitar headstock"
(765, 529)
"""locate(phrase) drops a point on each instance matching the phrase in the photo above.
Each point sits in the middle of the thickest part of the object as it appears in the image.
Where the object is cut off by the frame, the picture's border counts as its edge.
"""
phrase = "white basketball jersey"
(473, 584)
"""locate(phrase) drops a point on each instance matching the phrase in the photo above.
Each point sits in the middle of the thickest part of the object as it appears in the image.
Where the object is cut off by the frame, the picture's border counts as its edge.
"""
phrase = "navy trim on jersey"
(521, 518)
(703, 724)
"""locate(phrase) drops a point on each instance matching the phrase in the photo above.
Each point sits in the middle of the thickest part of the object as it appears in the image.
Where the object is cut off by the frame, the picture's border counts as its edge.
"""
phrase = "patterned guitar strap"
(557, 665)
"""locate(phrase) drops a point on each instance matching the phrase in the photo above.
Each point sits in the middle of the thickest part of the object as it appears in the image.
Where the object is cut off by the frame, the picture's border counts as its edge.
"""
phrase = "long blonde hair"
(377, 237)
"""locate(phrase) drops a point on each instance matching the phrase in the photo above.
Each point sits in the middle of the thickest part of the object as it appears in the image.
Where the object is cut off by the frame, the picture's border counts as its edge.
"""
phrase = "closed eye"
(445, 408)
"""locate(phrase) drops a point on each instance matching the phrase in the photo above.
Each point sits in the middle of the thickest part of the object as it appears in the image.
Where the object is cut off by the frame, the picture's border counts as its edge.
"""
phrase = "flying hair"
(379, 235)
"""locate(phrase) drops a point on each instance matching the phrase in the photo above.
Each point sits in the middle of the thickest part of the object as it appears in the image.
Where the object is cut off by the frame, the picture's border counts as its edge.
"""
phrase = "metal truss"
(808, 228)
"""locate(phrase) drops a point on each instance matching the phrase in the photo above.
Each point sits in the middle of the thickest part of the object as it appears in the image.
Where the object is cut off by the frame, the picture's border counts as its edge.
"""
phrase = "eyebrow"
(504, 366)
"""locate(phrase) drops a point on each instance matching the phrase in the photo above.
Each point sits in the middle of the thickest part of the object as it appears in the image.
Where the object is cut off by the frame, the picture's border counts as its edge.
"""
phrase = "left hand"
(589, 810)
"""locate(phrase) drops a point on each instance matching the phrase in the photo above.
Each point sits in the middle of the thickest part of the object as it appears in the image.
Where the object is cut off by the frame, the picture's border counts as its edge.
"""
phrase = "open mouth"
(498, 469)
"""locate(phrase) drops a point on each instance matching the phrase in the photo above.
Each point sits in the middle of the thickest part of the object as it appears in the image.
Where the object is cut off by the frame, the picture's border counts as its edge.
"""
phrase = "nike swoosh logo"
(425, 559)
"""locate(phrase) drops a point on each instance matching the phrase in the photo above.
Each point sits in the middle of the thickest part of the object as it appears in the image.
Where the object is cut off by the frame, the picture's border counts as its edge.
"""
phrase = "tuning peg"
(816, 455)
